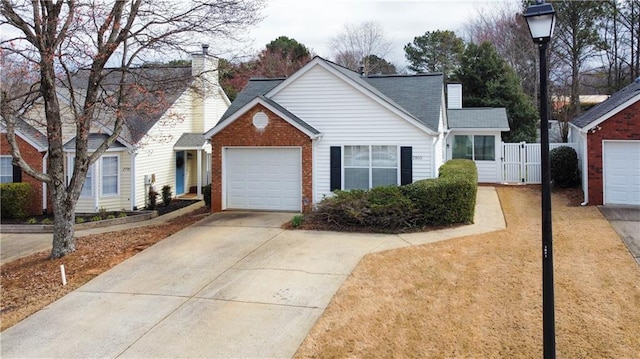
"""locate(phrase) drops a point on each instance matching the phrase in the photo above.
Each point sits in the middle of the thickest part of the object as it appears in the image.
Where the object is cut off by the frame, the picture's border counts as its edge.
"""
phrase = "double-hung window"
(110, 175)
(87, 187)
(370, 166)
(474, 147)
(6, 169)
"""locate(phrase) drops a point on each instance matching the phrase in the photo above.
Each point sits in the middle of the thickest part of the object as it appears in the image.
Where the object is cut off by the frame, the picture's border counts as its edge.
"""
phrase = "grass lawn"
(480, 296)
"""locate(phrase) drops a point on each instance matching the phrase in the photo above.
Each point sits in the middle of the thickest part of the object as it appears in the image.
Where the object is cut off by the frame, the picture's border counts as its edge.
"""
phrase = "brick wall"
(34, 158)
(625, 125)
(277, 133)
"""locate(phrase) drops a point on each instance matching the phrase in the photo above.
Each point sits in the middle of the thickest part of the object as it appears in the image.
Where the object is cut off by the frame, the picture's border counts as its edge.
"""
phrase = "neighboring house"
(285, 144)
(33, 148)
(609, 138)
(162, 142)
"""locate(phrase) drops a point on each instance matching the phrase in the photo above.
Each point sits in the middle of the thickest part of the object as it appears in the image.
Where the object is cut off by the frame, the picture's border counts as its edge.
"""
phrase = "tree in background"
(435, 51)
(379, 66)
(488, 81)
(60, 40)
(620, 34)
(353, 46)
(280, 58)
(505, 28)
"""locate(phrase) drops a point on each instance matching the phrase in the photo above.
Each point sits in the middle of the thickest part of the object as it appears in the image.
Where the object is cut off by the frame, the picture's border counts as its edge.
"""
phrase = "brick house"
(609, 138)
(285, 144)
(33, 147)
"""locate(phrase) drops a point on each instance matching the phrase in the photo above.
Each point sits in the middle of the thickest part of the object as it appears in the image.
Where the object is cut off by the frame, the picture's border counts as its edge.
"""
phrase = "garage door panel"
(621, 167)
(263, 178)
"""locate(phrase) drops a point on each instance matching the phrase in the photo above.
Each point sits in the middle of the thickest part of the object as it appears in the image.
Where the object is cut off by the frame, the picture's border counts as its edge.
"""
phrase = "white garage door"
(263, 178)
(621, 162)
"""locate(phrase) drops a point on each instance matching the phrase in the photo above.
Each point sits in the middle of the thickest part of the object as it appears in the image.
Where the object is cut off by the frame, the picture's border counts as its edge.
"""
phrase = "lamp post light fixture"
(541, 21)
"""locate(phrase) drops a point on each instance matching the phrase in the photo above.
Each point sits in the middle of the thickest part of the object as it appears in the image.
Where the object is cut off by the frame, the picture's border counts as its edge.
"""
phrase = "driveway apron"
(233, 285)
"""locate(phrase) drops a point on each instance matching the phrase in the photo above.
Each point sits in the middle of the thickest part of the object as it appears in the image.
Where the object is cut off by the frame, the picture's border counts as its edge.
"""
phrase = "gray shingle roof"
(608, 105)
(476, 117)
(419, 95)
(414, 95)
(95, 140)
(35, 136)
(190, 140)
(151, 92)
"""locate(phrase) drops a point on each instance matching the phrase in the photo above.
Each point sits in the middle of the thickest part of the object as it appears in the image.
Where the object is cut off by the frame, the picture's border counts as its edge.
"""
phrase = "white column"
(199, 161)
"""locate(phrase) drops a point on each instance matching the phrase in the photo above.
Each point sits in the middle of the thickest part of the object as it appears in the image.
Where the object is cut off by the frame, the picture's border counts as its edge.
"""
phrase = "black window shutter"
(406, 165)
(335, 168)
(17, 174)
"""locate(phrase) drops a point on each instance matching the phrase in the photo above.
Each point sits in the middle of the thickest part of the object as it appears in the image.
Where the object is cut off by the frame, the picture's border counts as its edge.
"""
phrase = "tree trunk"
(63, 221)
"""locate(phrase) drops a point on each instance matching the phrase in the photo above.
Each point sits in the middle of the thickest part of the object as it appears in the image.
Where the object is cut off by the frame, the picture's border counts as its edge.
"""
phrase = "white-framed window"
(87, 187)
(6, 169)
(366, 167)
(110, 175)
(474, 147)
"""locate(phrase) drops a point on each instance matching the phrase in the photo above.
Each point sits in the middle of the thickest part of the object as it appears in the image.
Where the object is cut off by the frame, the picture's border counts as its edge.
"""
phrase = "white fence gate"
(521, 161)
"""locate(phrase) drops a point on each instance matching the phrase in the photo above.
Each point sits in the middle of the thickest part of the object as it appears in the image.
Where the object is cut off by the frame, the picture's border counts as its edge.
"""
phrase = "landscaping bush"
(15, 199)
(206, 195)
(446, 200)
(449, 199)
(153, 197)
(563, 163)
(166, 195)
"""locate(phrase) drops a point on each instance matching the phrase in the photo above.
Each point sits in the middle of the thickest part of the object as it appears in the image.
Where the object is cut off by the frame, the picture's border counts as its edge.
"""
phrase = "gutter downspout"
(133, 154)
(585, 167)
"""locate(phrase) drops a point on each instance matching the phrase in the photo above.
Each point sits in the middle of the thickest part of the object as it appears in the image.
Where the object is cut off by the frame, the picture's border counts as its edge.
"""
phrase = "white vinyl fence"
(521, 161)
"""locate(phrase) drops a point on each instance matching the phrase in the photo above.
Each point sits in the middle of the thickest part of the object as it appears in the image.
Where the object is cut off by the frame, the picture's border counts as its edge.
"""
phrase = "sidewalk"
(233, 285)
(18, 245)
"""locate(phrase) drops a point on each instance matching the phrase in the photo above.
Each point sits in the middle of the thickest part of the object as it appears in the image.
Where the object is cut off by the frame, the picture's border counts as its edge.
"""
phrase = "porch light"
(541, 20)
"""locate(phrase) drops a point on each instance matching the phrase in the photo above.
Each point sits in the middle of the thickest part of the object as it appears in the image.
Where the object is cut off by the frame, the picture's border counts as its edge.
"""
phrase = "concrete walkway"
(232, 285)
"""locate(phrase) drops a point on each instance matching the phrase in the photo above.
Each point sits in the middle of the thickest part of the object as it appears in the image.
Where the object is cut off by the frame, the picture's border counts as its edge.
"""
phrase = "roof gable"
(28, 133)
(611, 106)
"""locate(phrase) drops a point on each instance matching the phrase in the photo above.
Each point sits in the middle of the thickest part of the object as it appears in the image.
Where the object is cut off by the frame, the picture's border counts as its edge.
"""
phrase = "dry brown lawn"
(480, 296)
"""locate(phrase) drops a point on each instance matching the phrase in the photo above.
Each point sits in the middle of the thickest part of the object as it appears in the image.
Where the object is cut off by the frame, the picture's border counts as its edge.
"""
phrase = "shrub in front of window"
(447, 200)
(563, 163)
(15, 199)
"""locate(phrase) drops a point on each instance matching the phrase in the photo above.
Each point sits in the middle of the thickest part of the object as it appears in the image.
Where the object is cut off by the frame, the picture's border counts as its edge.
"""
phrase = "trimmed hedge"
(447, 200)
(15, 199)
(563, 163)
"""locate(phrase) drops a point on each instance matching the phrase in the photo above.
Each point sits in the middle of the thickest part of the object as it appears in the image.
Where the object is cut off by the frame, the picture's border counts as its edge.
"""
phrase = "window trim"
(102, 176)
(473, 146)
(370, 166)
(91, 179)
(10, 163)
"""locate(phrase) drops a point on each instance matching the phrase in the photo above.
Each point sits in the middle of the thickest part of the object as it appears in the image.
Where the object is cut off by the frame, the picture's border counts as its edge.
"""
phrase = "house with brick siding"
(608, 135)
(285, 144)
(33, 148)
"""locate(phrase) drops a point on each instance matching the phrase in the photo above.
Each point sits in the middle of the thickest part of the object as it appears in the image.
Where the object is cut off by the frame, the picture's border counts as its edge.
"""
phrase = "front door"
(180, 169)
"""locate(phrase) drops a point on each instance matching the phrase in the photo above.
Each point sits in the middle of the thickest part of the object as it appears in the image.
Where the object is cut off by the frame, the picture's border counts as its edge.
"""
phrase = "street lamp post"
(541, 20)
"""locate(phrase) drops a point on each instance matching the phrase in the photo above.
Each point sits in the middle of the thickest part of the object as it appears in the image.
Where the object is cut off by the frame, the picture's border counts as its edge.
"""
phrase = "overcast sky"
(314, 22)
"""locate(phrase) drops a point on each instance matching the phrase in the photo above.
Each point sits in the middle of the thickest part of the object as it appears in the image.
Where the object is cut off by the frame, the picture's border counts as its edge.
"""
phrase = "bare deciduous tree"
(353, 46)
(68, 44)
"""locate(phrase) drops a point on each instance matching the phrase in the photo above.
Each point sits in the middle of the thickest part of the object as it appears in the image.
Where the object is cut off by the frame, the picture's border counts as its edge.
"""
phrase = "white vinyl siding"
(6, 169)
(346, 116)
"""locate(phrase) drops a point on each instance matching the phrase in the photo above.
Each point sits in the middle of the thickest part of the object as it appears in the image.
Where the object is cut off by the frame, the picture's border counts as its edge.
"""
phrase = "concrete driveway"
(232, 285)
(625, 220)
